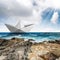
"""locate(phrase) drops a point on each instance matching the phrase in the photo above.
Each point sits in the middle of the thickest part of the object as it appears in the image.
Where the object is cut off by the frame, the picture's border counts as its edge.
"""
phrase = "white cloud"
(54, 18)
(3, 28)
(52, 3)
(26, 3)
(18, 10)
(43, 4)
(23, 10)
(55, 4)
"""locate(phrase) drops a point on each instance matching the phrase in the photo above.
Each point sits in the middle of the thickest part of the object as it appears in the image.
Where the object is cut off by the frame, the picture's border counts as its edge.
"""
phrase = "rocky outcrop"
(19, 49)
(49, 56)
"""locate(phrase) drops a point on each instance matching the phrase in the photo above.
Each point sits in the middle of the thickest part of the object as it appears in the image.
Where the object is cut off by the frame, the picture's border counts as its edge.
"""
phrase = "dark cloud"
(12, 8)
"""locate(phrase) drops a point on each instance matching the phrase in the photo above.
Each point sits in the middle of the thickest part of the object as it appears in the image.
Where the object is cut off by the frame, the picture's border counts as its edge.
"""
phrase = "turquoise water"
(38, 36)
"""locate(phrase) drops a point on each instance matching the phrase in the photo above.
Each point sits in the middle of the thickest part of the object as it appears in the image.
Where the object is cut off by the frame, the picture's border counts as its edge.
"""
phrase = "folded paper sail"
(18, 27)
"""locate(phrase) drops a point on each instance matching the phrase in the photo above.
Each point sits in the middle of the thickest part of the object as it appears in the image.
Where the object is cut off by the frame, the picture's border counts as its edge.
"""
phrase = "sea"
(37, 36)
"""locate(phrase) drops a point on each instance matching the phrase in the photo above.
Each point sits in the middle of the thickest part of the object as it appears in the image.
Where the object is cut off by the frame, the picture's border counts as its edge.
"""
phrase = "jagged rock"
(18, 49)
(49, 56)
(58, 58)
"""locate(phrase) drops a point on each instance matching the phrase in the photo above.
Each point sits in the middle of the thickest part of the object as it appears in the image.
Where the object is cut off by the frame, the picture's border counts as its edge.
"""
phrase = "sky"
(44, 14)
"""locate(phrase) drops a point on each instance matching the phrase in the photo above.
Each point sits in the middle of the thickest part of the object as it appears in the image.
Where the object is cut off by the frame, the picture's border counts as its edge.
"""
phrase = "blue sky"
(44, 14)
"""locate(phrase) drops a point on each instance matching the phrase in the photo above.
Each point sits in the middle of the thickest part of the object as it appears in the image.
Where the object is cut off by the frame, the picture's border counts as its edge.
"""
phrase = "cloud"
(48, 29)
(47, 14)
(13, 8)
(43, 4)
(54, 18)
(3, 28)
(29, 11)
(52, 3)
(48, 11)
(42, 29)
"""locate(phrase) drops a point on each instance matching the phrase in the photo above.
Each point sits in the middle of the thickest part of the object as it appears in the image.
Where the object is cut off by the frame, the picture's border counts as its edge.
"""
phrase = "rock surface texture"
(20, 49)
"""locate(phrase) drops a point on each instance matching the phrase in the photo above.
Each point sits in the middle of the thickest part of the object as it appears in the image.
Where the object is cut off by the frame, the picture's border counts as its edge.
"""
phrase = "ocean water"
(37, 36)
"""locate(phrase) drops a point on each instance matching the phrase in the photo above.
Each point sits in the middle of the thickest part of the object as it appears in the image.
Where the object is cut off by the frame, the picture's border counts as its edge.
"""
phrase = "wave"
(39, 36)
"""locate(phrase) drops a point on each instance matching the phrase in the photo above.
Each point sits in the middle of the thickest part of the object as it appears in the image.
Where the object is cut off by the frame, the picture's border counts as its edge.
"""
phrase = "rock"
(49, 56)
(18, 49)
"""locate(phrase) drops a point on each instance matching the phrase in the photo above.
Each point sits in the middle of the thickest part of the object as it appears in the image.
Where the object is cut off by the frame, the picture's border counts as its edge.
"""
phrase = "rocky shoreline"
(20, 49)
